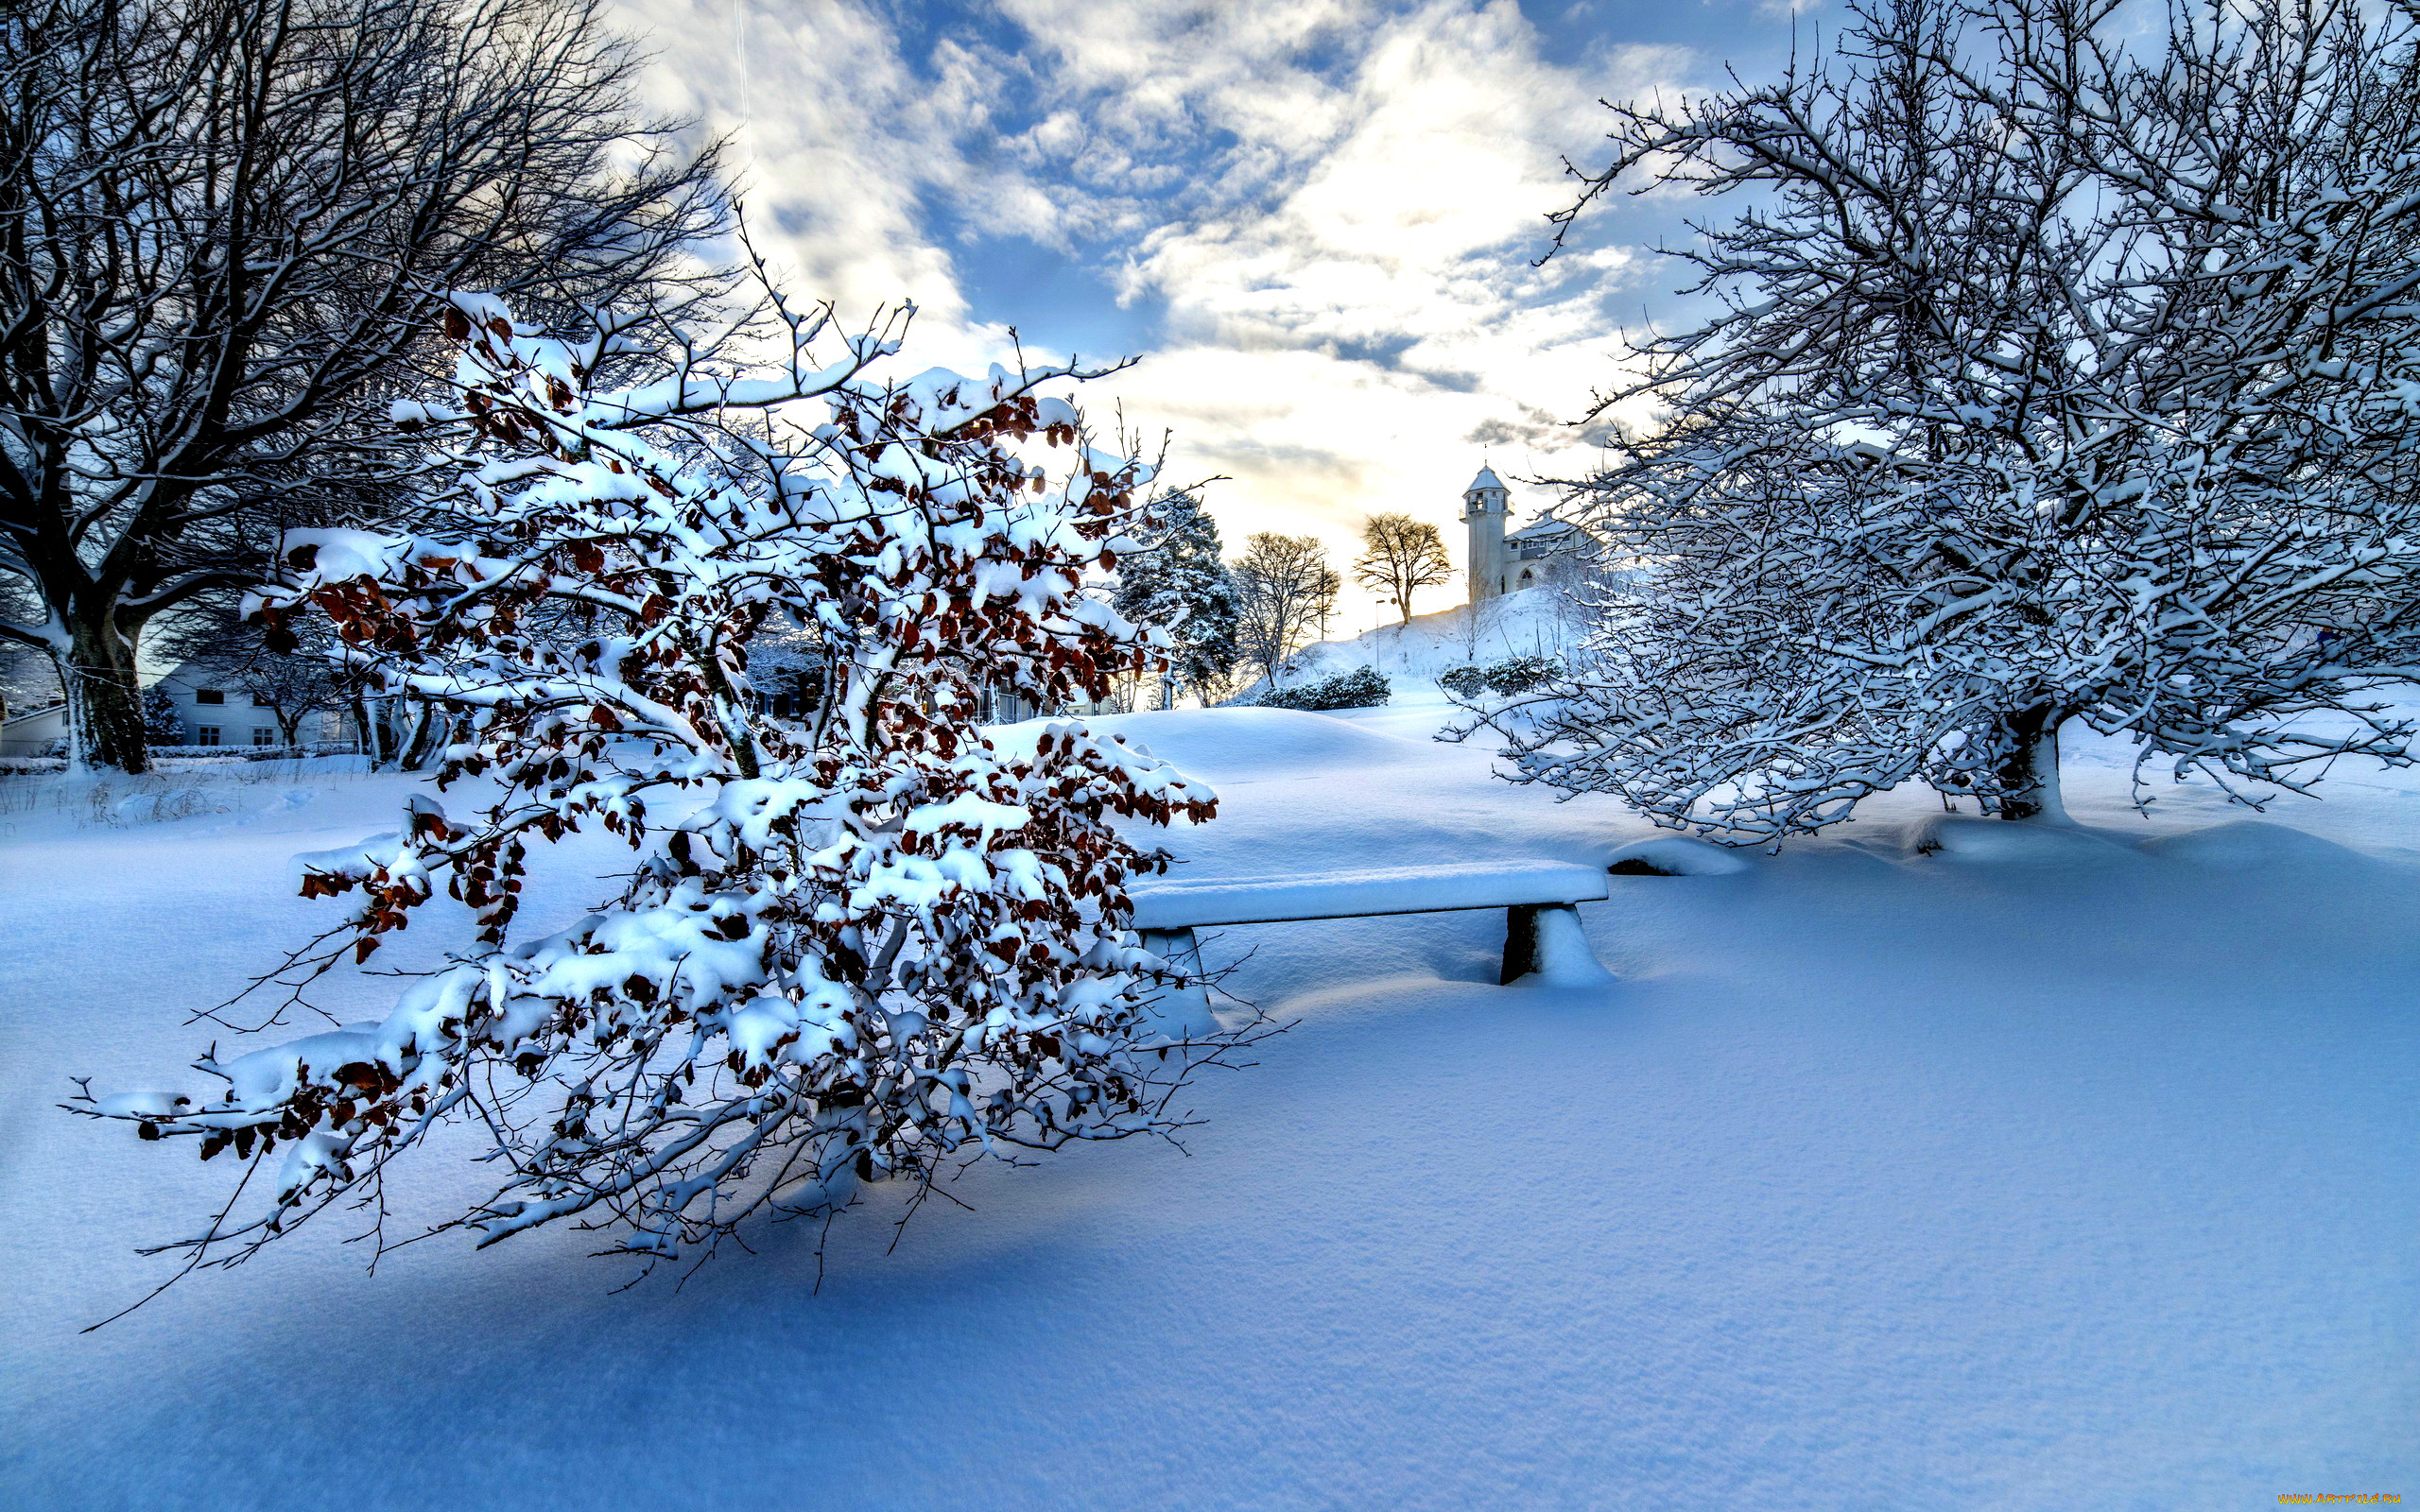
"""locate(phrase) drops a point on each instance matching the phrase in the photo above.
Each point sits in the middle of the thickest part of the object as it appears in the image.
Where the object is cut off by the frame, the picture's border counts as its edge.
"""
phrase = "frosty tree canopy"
(2057, 373)
(854, 943)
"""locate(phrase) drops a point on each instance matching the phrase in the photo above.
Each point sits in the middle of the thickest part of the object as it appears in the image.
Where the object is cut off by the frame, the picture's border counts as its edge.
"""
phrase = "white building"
(34, 731)
(1500, 563)
(211, 709)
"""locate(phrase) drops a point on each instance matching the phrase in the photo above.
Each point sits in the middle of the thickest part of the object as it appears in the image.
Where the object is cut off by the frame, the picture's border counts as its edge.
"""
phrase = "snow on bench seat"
(1543, 938)
(1190, 905)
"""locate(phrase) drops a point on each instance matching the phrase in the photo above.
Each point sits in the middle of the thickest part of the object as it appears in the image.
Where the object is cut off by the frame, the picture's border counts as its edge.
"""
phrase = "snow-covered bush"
(1514, 674)
(1363, 688)
(2054, 372)
(853, 944)
(1465, 681)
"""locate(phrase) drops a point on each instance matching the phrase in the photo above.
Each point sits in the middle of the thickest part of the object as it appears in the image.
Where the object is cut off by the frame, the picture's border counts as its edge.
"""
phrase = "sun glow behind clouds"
(1314, 222)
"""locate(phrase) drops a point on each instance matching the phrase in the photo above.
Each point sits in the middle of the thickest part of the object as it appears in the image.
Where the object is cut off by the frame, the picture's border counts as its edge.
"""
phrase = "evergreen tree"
(161, 724)
(1178, 585)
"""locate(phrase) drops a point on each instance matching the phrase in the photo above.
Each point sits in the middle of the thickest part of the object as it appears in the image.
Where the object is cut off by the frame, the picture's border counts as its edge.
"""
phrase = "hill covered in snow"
(1532, 622)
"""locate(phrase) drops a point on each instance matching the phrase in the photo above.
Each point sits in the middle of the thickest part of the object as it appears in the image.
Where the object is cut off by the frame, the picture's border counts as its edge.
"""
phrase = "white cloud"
(1351, 347)
(838, 146)
(1333, 203)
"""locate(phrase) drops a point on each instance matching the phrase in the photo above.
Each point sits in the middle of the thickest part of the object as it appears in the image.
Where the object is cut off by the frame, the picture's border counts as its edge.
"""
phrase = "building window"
(260, 700)
(205, 735)
(210, 696)
(263, 736)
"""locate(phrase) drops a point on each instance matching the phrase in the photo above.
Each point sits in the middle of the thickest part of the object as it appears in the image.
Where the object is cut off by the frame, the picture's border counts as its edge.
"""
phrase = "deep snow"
(1413, 653)
(1922, 1166)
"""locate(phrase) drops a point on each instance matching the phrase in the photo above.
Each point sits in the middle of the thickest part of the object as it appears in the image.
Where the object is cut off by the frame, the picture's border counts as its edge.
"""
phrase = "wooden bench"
(1542, 934)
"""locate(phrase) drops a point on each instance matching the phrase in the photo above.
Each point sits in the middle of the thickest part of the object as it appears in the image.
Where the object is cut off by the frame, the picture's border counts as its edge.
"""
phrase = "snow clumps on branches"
(2058, 373)
(854, 944)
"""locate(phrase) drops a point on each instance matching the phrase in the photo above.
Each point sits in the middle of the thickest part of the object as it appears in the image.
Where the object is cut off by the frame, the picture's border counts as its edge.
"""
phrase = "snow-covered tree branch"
(856, 943)
(2055, 373)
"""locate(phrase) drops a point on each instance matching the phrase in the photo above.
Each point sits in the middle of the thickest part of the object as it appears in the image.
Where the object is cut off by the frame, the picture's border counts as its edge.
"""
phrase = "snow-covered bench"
(1542, 934)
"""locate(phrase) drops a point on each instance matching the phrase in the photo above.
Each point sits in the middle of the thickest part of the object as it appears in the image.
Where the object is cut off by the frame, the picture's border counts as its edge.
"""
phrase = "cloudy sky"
(1313, 220)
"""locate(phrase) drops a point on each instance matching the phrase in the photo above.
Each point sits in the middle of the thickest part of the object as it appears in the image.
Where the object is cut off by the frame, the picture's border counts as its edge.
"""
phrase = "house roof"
(1547, 527)
(1486, 479)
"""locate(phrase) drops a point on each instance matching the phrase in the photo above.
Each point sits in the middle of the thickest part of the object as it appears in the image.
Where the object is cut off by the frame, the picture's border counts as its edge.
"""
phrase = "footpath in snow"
(1927, 1165)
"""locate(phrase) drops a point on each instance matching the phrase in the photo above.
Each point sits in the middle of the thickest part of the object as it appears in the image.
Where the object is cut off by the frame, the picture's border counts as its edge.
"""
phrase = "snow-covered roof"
(194, 674)
(1486, 479)
(1547, 527)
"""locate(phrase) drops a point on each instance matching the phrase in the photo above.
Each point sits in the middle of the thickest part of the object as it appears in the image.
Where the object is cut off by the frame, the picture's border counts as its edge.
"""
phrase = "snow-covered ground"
(1921, 1166)
(1533, 622)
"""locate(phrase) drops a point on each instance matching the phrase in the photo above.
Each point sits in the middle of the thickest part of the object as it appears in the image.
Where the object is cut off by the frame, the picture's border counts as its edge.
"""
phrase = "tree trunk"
(421, 742)
(104, 703)
(371, 729)
(2029, 775)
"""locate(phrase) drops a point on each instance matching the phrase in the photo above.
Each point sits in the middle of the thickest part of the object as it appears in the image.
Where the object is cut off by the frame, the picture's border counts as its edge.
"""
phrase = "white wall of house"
(214, 711)
(211, 710)
(33, 732)
(1535, 554)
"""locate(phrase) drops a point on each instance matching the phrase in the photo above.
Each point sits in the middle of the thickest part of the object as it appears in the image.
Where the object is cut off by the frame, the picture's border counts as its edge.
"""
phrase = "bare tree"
(1401, 556)
(1480, 620)
(227, 226)
(1285, 591)
(2057, 373)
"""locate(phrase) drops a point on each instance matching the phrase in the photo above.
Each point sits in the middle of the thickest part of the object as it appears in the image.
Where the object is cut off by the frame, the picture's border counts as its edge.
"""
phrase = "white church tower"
(1485, 503)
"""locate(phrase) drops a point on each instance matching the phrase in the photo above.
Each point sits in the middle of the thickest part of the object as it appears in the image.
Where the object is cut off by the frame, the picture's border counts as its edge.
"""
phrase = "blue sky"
(1313, 222)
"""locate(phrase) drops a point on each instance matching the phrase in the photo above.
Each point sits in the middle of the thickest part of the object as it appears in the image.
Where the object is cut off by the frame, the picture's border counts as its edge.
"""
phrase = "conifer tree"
(162, 724)
(1179, 584)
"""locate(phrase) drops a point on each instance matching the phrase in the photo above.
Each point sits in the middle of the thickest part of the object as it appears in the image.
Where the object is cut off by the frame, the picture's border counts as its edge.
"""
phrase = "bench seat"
(1189, 904)
(1541, 938)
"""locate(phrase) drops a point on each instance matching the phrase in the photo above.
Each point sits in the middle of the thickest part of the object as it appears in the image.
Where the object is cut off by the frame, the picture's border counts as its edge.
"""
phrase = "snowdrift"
(1883, 1178)
(1259, 743)
(1532, 622)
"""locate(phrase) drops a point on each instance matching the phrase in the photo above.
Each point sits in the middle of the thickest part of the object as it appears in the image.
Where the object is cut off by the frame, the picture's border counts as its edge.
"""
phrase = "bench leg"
(1182, 1012)
(1545, 942)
